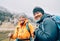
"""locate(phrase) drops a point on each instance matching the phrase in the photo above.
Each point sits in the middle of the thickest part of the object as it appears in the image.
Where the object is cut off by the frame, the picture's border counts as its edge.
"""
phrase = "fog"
(26, 6)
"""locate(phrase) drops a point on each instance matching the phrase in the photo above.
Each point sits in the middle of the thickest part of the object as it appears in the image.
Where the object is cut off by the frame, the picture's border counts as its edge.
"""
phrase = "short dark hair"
(38, 9)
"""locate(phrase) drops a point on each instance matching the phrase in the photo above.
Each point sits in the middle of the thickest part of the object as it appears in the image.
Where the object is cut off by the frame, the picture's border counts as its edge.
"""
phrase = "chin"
(37, 20)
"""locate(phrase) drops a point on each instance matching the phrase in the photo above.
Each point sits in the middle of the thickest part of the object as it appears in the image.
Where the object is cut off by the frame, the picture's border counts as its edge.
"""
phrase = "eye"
(34, 14)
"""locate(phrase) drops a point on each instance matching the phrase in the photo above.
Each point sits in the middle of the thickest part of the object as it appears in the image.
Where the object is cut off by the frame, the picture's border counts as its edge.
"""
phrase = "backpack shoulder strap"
(27, 26)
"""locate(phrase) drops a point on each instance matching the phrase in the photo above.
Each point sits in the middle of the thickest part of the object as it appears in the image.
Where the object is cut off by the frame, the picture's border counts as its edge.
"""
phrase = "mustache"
(37, 16)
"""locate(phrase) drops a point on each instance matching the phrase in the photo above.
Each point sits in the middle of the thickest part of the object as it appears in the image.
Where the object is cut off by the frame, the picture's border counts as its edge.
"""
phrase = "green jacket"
(50, 32)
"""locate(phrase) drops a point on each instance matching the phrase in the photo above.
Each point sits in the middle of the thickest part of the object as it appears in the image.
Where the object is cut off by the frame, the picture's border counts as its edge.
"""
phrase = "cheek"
(38, 16)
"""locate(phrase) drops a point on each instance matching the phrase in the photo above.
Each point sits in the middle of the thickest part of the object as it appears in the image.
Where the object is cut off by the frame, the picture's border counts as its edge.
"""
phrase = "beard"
(38, 20)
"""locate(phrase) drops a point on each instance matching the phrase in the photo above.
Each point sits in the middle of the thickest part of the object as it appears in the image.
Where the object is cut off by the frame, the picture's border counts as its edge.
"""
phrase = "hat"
(38, 9)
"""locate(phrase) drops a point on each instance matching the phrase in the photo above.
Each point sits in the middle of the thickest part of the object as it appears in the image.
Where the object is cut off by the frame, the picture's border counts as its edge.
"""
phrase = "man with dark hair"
(47, 30)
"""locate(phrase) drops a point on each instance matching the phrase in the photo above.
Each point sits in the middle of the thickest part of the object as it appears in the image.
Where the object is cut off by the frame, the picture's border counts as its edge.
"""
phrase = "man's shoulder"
(48, 20)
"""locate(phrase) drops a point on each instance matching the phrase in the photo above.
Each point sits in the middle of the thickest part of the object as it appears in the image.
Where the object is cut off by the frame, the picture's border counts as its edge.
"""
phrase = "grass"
(3, 36)
(7, 25)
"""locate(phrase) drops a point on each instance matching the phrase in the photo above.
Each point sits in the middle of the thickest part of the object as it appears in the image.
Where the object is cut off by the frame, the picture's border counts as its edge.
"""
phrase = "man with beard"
(47, 30)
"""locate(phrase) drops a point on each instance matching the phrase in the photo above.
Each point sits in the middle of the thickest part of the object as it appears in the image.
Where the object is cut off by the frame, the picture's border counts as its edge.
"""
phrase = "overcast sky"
(26, 6)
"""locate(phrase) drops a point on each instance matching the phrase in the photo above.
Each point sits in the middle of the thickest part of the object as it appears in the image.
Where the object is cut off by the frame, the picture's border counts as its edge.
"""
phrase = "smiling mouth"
(37, 16)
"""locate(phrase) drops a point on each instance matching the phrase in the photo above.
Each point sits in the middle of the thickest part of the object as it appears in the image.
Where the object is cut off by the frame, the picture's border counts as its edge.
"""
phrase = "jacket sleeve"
(49, 33)
(14, 36)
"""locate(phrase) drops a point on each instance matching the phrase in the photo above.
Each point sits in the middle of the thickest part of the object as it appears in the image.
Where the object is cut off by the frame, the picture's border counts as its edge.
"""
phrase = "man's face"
(37, 15)
(22, 19)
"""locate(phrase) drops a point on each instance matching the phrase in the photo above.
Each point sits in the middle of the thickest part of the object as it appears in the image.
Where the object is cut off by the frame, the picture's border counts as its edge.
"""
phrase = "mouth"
(37, 16)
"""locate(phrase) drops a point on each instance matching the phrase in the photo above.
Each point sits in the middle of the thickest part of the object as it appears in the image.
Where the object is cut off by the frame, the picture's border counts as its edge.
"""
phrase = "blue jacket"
(50, 32)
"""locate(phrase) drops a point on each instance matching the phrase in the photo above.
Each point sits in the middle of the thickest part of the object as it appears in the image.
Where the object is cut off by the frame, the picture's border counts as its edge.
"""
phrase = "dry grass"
(3, 33)
(4, 36)
(7, 24)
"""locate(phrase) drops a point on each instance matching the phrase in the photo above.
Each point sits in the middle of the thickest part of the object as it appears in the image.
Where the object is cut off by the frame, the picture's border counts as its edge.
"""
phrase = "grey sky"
(50, 6)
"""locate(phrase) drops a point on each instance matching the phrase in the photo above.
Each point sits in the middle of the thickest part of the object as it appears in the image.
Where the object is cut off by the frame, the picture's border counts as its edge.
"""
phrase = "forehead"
(37, 13)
